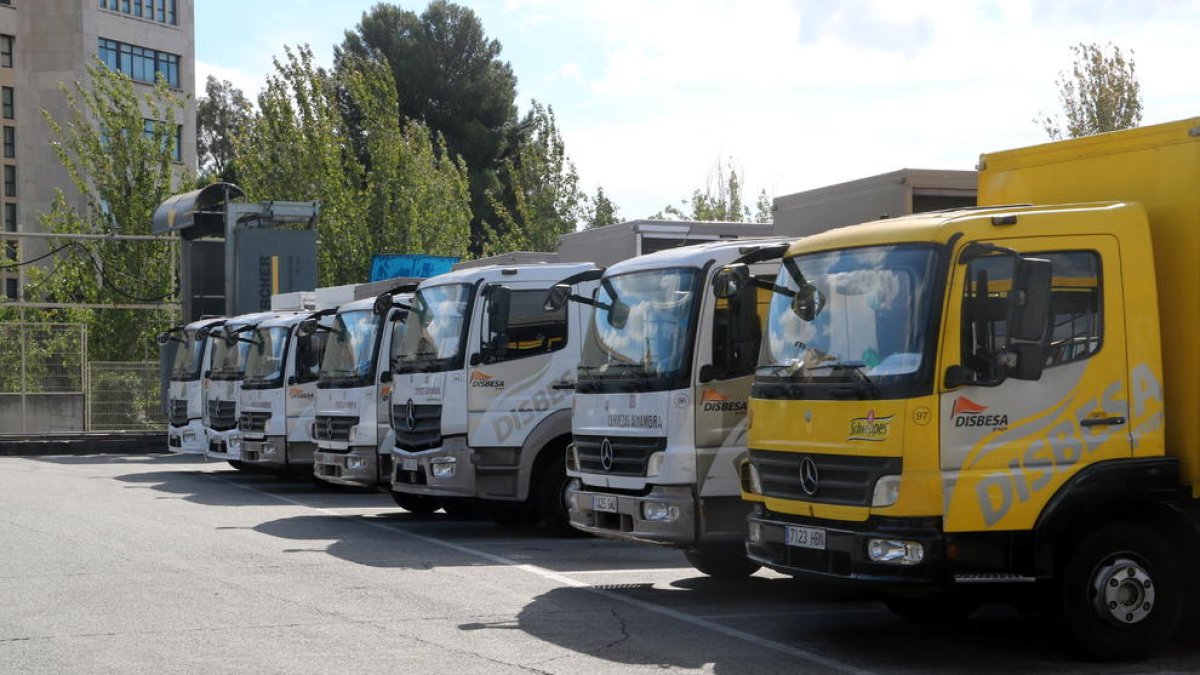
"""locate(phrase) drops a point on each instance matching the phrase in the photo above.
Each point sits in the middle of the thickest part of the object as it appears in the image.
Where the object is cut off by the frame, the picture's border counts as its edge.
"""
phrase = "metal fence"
(124, 396)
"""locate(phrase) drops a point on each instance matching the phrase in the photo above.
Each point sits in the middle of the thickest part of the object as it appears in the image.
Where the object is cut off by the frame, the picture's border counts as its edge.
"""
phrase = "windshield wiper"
(861, 379)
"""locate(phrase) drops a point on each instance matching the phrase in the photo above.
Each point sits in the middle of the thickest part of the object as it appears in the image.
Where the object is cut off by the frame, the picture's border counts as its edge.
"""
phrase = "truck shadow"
(105, 458)
(230, 487)
(808, 629)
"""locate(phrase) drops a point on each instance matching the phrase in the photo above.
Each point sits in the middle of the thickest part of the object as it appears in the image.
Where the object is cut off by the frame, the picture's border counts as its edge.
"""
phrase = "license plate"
(805, 537)
(605, 503)
(408, 464)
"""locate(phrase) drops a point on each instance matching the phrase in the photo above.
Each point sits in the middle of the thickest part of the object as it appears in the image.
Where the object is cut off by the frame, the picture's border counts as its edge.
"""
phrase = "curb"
(106, 444)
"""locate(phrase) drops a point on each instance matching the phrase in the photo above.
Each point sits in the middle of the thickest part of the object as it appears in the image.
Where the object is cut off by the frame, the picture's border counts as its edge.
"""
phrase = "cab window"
(737, 332)
(309, 351)
(531, 329)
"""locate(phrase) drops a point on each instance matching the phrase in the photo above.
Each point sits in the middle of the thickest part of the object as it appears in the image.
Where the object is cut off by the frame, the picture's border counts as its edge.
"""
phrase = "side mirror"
(499, 302)
(729, 281)
(207, 374)
(706, 373)
(163, 338)
(230, 338)
(958, 376)
(557, 298)
(307, 327)
(1029, 301)
(808, 302)
(1029, 361)
(291, 380)
(383, 304)
(476, 359)
(385, 377)
(618, 314)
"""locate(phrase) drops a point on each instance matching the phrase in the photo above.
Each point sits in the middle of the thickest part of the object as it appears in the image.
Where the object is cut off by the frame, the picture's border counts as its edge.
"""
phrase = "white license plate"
(804, 537)
(605, 503)
(408, 465)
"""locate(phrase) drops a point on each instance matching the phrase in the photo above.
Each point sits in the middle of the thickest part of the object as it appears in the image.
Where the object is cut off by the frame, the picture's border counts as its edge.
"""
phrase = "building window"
(6, 102)
(6, 2)
(10, 217)
(150, 131)
(10, 180)
(10, 250)
(10, 288)
(10, 142)
(137, 7)
(6, 51)
(139, 63)
(162, 11)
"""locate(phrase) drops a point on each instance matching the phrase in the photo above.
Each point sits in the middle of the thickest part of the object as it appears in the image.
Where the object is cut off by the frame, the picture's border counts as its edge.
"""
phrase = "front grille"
(426, 430)
(254, 421)
(629, 454)
(221, 415)
(330, 428)
(179, 412)
(841, 479)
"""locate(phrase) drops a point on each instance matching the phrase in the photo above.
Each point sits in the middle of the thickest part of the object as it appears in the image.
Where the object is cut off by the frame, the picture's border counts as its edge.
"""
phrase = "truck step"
(999, 578)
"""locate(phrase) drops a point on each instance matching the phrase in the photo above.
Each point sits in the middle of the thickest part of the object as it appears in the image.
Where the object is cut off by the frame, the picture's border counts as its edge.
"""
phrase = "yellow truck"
(997, 403)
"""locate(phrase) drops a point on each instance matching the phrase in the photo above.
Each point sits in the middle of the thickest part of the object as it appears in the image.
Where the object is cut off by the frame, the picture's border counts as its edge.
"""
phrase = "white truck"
(660, 402)
(354, 387)
(186, 406)
(223, 384)
(279, 391)
(481, 408)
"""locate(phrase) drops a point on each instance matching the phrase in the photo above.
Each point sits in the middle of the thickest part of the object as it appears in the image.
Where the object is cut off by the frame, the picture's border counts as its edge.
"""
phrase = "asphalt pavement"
(152, 564)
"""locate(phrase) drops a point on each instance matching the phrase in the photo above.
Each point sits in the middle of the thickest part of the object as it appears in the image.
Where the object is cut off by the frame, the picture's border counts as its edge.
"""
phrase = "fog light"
(268, 448)
(189, 436)
(356, 463)
(754, 533)
(235, 444)
(572, 458)
(887, 491)
(660, 512)
(895, 551)
(655, 463)
(443, 467)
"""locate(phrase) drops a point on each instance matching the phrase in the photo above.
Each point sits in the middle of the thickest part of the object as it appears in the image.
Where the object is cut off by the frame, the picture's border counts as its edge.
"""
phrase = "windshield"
(642, 327)
(433, 340)
(871, 322)
(350, 354)
(228, 360)
(264, 365)
(188, 356)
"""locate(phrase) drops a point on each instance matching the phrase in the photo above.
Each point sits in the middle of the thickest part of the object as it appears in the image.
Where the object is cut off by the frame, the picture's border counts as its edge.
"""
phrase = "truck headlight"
(572, 458)
(234, 443)
(751, 483)
(356, 463)
(443, 467)
(655, 463)
(887, 491)
(895, 551)
(660, 512)
(268, 448)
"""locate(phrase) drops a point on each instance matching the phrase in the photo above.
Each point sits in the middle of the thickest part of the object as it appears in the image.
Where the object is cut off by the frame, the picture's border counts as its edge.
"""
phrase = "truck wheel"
(416, 503)
(551, 496)
(240, 465)
(1121, 593)
(941, 609)
(509, 514)
(722, 562)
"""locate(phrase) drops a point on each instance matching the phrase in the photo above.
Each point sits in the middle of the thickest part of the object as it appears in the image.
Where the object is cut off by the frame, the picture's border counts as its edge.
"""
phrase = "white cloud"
(249, 82)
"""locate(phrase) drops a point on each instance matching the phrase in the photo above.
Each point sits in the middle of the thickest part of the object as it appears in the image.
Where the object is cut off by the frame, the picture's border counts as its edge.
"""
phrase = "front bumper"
(360, 466)
(187, 440)
(224, 445)
(413, 471)
(276, 452)
(623, 516)
(844, 557)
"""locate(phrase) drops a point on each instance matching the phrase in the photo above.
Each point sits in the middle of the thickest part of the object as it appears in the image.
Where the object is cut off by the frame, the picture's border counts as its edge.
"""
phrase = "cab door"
(1008, 444)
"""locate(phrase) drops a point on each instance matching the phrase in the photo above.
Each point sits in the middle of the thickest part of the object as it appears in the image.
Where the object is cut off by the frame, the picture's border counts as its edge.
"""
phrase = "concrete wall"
(43, 413)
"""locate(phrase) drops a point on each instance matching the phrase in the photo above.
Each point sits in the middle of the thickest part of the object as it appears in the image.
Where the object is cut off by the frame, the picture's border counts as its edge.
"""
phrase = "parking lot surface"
(170, 564)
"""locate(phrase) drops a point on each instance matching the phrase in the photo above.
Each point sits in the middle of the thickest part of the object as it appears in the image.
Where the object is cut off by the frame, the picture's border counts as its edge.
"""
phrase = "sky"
(797, 94)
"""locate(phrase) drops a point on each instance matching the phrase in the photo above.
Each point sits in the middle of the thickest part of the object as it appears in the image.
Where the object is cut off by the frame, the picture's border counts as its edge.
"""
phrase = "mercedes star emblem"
(410, 415)
(606, 455)
(809, 478)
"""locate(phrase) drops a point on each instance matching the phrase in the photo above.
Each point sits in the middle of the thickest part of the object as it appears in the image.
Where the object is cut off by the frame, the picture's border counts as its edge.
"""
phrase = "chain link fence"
(124, 396)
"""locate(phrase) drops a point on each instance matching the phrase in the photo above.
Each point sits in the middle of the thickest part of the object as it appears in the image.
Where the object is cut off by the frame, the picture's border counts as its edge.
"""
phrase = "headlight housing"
(895, 551)
(887, 491)
(443, 467)
(654, 463)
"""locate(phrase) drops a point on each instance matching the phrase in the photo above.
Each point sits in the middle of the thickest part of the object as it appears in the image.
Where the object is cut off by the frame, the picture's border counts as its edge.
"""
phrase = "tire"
(1121, 593)
(416, 504)
(551, 497)
(722, 562)
(509, 514)
(937, 610)
(240, 465)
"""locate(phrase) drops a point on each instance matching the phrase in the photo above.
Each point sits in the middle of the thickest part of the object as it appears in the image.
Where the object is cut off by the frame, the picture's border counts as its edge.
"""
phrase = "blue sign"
(408, 265)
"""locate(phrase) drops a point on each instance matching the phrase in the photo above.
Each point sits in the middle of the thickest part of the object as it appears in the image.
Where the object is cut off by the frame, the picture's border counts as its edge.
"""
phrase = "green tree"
(1101, 94)
(401, 192)
(721, 199)
(543, 186)
(222, 114)
(601, 211)
(449, 75)
(118, 148)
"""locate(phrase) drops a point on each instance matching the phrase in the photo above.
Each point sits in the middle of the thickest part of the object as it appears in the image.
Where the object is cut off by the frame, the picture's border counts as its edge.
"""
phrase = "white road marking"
(789, 650)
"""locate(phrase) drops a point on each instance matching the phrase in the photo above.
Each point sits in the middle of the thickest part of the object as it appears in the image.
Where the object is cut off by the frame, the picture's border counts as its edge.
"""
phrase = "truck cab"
(279, 391)
(481, 408)
(660, 402)
(224, 385)
(354, 387)
(186, 393)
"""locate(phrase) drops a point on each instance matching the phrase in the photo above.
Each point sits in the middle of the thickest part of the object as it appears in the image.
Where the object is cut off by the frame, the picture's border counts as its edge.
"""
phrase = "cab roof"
(721, 252)
(548, 272)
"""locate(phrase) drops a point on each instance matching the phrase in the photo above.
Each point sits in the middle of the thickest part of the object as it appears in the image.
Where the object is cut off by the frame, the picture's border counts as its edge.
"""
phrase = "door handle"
(1101, 421)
